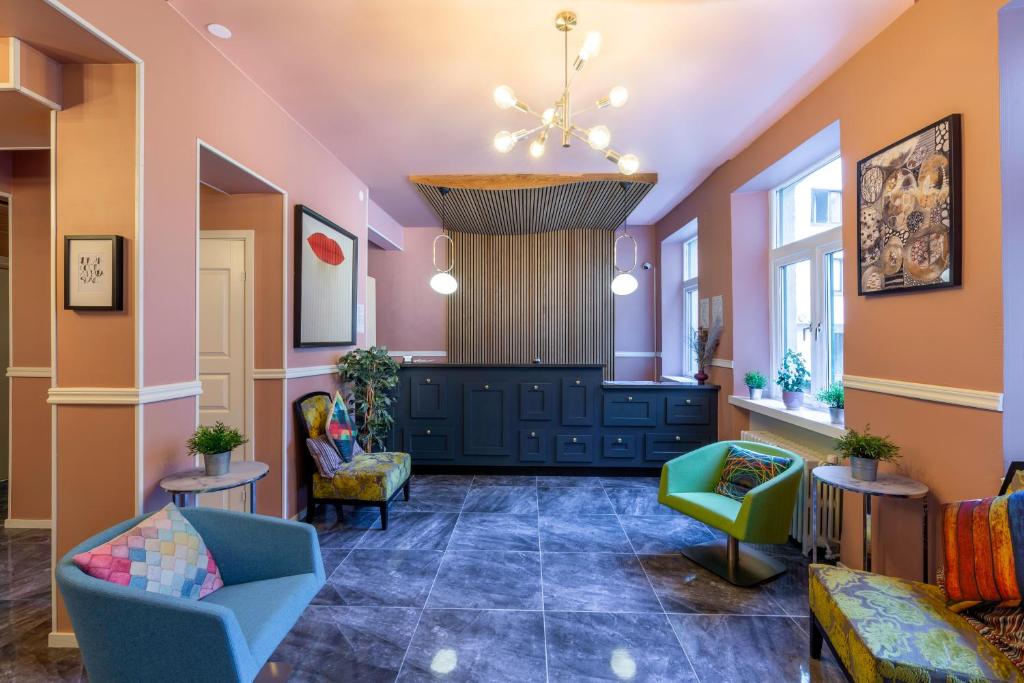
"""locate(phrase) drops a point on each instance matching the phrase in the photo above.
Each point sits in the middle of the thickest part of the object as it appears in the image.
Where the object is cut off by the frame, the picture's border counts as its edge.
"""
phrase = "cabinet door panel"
(486, 419)
(536, 401)
(620, 446)
(577, 402)
(574, 448)
(534, 446)
(665, 446)
(428, 398)
(428, 443)
(688, 408)
(623, 409)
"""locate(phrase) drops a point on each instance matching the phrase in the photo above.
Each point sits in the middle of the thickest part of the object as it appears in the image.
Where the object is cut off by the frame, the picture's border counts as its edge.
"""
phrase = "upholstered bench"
(368, 479)
(887, 629)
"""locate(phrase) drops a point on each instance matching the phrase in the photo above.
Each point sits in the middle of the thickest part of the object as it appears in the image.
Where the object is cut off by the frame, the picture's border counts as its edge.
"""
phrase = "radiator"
(830, 500)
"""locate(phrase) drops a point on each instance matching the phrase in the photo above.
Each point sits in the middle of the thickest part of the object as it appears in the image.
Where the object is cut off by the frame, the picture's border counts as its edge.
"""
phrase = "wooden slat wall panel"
(539, 294)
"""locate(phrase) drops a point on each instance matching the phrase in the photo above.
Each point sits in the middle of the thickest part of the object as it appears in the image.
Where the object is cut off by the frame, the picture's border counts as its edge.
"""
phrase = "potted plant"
(704, 342)
(793, 377)
(373, 376)
(833, 397)
(215, 444)
(756, 382)
(865, 450)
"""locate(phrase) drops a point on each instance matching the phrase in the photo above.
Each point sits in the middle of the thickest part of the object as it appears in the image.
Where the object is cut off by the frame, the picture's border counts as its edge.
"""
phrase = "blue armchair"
(271, 570)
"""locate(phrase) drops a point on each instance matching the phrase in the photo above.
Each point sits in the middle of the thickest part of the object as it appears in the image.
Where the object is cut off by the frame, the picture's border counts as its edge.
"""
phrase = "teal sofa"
(271, 569)
(764, 516)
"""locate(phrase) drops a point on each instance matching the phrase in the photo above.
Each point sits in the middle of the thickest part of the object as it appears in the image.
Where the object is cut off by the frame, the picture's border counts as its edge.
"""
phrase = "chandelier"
(559, 118)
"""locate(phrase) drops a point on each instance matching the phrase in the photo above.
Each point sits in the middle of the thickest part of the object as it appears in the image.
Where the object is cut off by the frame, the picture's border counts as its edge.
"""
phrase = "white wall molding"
(16, 371)
(969, 398)
(638, 354)
(310, 371)
(62, 639)
(722, 362)
(268, 373)
(13, 523)
(122, 395)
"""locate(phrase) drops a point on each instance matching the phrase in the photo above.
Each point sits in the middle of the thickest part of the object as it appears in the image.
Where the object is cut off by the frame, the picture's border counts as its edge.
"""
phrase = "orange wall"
(951, 337)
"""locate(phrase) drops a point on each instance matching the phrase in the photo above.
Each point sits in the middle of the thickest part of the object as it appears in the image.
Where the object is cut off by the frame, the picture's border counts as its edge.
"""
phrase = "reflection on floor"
(497, 578)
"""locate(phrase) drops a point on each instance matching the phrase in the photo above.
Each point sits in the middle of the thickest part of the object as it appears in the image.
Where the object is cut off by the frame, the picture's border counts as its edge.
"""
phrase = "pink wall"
(384, 231)
(634, 313)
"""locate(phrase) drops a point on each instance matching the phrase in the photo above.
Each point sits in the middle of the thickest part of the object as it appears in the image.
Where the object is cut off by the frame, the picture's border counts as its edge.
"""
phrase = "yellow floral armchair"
(368, 479)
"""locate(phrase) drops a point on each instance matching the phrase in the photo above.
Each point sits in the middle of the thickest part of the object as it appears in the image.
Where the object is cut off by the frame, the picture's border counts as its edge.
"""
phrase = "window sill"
(816, 421)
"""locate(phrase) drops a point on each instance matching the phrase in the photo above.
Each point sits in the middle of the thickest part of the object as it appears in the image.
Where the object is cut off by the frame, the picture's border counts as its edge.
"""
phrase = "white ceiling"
(401, 88)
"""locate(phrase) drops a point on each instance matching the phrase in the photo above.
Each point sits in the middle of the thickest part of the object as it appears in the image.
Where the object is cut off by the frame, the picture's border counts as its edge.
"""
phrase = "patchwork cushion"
(161, 554)
(370, 477)
(326, 457)
(888, 629)
(983, 546)
(340, 428)
(745, 470)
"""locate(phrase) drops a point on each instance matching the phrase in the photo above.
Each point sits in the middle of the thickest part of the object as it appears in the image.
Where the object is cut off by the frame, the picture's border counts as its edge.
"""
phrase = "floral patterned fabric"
(314, 411)
(369, 476)
(889, 629)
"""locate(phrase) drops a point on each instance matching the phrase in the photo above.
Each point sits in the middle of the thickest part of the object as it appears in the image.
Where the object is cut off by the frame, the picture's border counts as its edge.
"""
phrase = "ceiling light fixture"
(560, 116)
(219, 30)
(443, 282)
(624, 282)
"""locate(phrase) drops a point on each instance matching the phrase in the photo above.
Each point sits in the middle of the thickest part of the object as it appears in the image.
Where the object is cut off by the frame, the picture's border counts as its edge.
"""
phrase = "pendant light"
(443, 281)
(624, 283)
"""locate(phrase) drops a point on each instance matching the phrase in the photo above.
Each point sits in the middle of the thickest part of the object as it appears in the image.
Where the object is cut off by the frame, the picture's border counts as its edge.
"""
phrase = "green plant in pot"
(793, 378)
(373, 376)
(865, 450)
(756, 382)
(215, 444)
(834, 397)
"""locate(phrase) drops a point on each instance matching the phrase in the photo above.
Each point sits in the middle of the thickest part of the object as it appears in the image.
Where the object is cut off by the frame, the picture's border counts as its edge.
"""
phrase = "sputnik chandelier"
(558, 119)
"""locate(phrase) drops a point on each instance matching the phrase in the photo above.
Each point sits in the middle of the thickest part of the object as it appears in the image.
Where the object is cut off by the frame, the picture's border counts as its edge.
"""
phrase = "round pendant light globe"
(624, 284)
(443, 283)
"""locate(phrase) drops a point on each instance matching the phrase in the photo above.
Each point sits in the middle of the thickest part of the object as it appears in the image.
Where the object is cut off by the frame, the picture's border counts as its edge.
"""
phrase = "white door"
(222, 329)
(371, 312)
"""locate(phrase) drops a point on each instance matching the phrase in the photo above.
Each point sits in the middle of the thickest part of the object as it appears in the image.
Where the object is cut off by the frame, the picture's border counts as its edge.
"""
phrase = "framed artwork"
(325, 281)
(908, 213)
(93, 272)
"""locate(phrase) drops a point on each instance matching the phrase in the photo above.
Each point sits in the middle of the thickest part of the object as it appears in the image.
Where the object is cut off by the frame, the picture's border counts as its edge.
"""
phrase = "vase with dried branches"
(704, 343)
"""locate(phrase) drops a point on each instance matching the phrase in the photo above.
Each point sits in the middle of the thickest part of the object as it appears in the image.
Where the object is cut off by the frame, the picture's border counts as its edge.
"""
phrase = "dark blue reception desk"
(547, 417)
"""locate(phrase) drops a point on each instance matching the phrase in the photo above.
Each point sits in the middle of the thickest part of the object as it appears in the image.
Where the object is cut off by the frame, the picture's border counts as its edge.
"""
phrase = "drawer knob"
(535, 387)
(574, 439)
(618, 440)
(487, 386)
(688, 401)
(533, 434)
(679, 438)
(428, 380)
(428, 432)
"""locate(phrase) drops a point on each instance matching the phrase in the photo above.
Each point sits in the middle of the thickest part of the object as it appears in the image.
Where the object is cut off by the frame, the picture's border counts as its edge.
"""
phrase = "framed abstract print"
(325, 281)
(908, 213)
(93, 277)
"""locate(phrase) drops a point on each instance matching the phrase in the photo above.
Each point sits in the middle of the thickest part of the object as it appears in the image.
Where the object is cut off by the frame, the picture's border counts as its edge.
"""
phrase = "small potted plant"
(215, 444)
(865, 450)
(756, 382)
(793, 377)
(832, 396)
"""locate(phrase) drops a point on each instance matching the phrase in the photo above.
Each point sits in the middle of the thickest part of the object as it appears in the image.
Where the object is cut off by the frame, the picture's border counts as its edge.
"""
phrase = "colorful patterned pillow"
(983, 546)
(745, 470)
(340, 429)
(350, 401)
(325, 455)
(161, 554)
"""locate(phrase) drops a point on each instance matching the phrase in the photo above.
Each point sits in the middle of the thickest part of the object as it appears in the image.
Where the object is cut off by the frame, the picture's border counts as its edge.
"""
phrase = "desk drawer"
(574, 448)
(620, 446)
(624, 409)
(688, 408)
(428, 443)
(660, 447)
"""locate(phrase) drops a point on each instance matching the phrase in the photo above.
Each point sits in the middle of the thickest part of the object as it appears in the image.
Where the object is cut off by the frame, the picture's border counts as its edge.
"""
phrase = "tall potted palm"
(373, 376)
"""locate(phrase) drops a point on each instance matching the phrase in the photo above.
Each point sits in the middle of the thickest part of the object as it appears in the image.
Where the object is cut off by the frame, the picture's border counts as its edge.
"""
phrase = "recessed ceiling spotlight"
(219, 30)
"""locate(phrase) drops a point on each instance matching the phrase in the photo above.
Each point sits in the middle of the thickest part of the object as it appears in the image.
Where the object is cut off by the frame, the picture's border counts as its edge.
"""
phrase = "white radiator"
(830, 500)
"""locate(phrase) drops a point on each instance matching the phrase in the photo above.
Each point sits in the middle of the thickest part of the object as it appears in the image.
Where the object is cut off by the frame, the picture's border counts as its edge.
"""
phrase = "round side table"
(886, 486)
(194, 482)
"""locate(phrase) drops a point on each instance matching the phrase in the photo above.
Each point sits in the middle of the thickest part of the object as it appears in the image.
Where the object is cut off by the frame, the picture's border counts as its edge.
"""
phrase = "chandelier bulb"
(624, 284)
(548, 117)
(618, 96)
(504, 97)
(504, 141)
(537, 149)
(591, 46)
(599, 137)
(628, 164)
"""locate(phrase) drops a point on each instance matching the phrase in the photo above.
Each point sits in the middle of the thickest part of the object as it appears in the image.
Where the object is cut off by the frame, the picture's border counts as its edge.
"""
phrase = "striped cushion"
(745, 470)
(1001, 626)
(983, 544)
(327, 460)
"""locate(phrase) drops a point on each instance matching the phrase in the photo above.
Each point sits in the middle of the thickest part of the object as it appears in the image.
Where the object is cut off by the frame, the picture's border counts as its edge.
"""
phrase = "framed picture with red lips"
(326, 288)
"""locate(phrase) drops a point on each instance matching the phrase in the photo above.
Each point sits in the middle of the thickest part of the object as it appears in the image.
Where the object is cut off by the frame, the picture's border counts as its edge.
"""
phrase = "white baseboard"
(62, 639)
(13, 523)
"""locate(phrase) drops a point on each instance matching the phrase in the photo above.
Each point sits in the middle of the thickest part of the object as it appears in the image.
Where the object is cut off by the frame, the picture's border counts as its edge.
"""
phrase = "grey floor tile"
(504, 480)
(434, 497)
(495, 531)
(582, 533)
(487, 580)
(596, 582)
(475, 646)
(521, 500)
(24, 653)
(660, 534)
(358, 644)
(394, 578)
(686, 587)
(580, 501)
(790, 589)
(408, 530)
(614, 647)
(442, 479)
(742, 648)
(617, 482)
(346, 531)
(569, 481)
(333, 557)
(637, 500)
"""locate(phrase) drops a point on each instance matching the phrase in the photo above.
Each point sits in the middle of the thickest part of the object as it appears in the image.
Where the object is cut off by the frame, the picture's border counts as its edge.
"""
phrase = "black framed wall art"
(93, 272)
(909, 232)
(326, 287)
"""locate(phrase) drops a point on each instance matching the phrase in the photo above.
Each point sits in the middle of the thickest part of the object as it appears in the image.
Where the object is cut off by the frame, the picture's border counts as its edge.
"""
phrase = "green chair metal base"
(746, 567)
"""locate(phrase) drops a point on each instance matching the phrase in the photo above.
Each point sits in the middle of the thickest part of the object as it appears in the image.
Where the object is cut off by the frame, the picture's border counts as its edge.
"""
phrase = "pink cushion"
(161, 554)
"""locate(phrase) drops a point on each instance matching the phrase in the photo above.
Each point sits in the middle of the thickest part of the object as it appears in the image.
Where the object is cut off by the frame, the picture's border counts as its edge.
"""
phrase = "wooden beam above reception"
(510, 204)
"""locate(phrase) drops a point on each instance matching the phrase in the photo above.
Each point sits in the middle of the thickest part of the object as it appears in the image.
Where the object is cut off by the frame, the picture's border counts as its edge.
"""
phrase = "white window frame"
(813, 249)
(690, 285)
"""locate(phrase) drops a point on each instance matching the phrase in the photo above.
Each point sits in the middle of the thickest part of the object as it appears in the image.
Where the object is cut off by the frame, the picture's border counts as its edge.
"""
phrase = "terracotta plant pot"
(837, 415)
(793, 399)
(755, 394)
(217, 464)
(864, 469)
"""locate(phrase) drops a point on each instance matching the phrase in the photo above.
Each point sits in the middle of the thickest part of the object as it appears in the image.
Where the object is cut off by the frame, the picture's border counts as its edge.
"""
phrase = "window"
(691, 301)
(807, 273)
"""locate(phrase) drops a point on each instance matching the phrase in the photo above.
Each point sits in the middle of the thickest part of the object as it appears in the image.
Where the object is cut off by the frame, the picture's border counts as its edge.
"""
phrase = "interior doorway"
(5, 337)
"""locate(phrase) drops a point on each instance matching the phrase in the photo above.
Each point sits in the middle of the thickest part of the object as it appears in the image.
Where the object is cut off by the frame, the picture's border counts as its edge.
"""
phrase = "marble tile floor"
(495, 578)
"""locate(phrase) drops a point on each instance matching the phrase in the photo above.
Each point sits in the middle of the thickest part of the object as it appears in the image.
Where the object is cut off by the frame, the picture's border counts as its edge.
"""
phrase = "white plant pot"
(793, 399)
(837, 415)
(755, 394)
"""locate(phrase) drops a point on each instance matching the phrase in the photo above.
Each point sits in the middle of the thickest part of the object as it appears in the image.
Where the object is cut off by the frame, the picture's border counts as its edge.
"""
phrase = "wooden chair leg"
(817, 638)
(405, 489)
(384, 516)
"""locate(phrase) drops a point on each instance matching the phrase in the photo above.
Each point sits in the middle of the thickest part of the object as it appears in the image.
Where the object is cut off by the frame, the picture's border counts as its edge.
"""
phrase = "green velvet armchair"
(764, 516)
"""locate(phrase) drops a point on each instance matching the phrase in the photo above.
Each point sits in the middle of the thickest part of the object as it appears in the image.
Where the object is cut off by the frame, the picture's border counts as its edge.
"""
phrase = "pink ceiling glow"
(395, 88)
